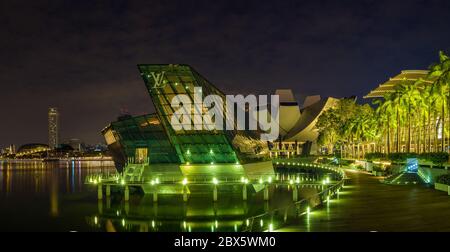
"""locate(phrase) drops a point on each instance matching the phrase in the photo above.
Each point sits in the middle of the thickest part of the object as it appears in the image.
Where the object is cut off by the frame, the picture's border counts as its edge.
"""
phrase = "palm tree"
(385, 112)
(396, 101)
(429, 101)
(415, 114)
(348, 133)
(440, 89)
(409, 96)
(423, 106)
(440, 92)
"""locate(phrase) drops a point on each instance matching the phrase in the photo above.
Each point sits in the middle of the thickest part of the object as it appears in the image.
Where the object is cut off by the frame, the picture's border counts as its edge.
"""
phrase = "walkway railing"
(291, 177)
(96, 178)
(202, 179)
(276, 218)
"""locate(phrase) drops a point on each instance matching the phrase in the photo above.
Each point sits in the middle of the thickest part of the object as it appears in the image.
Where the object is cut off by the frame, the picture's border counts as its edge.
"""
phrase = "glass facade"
(153, 135)
(141, 139)
(164, 82)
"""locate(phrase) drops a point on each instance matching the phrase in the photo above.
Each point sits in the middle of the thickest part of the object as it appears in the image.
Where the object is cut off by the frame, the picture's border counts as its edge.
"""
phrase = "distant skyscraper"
(53, 127)
(12, 149)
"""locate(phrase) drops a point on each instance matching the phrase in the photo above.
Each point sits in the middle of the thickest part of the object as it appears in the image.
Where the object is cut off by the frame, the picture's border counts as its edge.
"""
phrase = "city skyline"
(53, 136)
(80, 64)
(222, 124)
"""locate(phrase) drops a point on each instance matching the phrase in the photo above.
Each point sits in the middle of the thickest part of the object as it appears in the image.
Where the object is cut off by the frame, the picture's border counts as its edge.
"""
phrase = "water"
(36, 196)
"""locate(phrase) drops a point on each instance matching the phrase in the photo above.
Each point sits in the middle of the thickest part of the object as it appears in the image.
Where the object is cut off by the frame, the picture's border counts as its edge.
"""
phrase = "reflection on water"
(38, 177)
(40, 196)
(229, 214)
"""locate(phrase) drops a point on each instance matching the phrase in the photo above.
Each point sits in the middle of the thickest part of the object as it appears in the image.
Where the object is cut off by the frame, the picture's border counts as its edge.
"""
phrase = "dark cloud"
(81, 56)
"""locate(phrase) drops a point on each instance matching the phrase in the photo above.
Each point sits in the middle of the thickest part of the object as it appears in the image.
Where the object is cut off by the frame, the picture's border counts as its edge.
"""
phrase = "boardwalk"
(367, 205)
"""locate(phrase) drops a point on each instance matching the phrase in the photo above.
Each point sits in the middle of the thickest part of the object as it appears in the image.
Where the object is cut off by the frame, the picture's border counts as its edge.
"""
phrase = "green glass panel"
(163, 82)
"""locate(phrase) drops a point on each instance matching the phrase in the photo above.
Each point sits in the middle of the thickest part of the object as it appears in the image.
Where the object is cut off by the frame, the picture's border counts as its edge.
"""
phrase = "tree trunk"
(388, 137)
(357, 146)
(398, 131)
(387, 142)
(436, 132)
(422, 140)
(448, 120)
(429, 130)
(408, 146)
(353, 148)
(443, 128)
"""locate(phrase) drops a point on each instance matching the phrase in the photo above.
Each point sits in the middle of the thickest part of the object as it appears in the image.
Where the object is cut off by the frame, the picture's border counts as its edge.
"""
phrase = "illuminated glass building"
(148, 145)
(130, 139)
(53, 128)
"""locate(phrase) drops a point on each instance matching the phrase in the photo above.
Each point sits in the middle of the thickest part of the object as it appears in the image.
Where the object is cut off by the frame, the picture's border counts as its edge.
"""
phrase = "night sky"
(81, 56)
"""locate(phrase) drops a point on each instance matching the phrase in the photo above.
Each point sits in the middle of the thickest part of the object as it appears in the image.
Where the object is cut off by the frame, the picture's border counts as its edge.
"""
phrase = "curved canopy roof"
(406, 76)
(32, 147)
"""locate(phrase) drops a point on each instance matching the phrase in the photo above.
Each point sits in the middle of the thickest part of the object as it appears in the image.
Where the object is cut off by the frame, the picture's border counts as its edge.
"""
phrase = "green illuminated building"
(147, 147)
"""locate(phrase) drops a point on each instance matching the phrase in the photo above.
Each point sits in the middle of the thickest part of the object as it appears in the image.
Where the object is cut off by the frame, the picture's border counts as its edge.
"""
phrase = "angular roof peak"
(286, 95)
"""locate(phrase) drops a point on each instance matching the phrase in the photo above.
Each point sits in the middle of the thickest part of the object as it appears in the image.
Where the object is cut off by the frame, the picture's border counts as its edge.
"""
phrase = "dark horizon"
(81, 57)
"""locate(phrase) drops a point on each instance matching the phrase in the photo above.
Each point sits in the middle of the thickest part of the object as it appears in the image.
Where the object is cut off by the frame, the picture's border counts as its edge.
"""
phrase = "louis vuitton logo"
(158, 79)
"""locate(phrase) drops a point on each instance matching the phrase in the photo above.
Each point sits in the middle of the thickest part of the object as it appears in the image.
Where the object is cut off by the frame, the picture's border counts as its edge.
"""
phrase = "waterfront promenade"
(368, 205)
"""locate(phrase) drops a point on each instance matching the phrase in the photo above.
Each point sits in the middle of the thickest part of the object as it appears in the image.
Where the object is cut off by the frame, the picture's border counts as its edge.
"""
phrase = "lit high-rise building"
(53, 127)
(12, 149)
